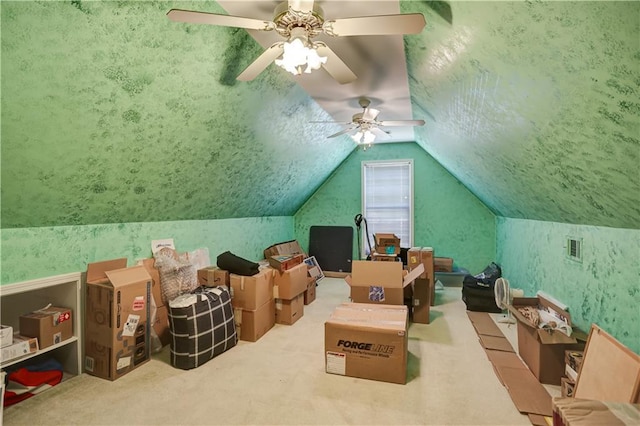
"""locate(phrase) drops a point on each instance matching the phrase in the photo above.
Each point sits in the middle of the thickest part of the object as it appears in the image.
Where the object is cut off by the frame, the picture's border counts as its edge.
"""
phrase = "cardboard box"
(212, 276)
(290, 283)
(287, 247)
(252, 325)
(424, 287)
(310, 292)
(367, 341)
(161, 325)
(50, 325)
(21, 346)
(443, 264)
(250, 293)
(284, 262)
(421, 301)
(386, 243)
(289, 311)
(117, 318)
(543, 351)
(380, 282)
(6, 335)
(156, 289)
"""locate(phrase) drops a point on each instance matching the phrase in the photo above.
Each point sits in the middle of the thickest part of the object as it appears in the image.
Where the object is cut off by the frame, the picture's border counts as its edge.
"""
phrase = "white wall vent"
(574, 249)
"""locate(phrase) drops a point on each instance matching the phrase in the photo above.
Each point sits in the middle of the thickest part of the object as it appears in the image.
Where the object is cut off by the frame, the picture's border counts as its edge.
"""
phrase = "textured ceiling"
(113, 113)
(534, 106)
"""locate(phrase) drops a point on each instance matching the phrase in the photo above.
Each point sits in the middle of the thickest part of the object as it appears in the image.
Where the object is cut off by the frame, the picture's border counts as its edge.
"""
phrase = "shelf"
(28, 296)
(40, 352)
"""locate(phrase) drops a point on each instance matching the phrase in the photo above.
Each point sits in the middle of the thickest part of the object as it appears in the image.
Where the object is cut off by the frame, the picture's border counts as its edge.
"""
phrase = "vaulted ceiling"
(112, 113)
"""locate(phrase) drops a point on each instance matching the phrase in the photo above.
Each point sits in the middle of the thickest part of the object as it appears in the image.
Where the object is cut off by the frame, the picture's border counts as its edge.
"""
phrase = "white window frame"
(405, 240)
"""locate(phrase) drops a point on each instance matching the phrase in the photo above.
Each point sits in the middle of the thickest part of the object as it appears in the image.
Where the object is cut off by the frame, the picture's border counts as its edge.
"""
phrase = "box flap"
(411, 276)
(126, 276)
(96, 270)
(383, 274)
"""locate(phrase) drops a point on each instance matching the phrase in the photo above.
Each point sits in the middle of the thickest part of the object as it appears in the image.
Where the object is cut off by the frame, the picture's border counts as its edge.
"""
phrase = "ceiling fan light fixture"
(364, 137)
(298, 53)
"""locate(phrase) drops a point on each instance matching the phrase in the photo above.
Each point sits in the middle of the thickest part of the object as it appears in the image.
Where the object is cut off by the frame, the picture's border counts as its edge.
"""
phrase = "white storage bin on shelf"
(24, 297)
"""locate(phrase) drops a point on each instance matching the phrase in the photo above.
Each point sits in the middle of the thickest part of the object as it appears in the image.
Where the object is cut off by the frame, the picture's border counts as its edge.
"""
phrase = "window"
(387, 200)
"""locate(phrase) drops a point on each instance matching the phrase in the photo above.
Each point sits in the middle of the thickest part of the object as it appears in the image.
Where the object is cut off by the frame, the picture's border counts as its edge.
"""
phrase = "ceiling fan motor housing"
(287, 19)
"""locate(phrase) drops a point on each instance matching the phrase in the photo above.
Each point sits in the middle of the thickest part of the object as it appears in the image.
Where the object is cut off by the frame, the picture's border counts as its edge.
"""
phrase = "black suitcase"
(201, 327)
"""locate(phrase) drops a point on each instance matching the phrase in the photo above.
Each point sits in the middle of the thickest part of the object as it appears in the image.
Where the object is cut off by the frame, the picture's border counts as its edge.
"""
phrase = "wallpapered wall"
(30, 253)
(602, 289)
(447, 216)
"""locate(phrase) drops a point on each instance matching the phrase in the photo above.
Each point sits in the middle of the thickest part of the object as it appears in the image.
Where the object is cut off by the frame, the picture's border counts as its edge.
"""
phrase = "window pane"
(387, 200)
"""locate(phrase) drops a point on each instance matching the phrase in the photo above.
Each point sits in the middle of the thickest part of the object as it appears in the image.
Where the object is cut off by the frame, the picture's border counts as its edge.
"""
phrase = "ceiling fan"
(298, 22)
(367, 127)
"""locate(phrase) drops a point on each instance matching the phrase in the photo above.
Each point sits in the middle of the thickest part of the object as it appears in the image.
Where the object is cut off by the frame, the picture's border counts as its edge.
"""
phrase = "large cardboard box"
(290, 283)
(424, 286)
(287, 247)
(252, 325)
(289, 311)
(386, 243)
(543, 350)
(367, 341)
(380, 282)
(117, 318)
(250, 293)
(51, 325)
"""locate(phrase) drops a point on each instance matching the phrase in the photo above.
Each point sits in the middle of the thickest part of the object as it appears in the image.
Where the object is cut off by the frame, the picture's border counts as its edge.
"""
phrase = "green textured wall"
(602, 289)
(534, 105)
(30, 253)
(447, 216)
(112, 113)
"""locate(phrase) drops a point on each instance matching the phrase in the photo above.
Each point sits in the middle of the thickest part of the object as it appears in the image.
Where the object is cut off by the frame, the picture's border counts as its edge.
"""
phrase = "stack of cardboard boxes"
(423, 292)
(386, 248)
(367, 338)
(288, 291)
(253, 303)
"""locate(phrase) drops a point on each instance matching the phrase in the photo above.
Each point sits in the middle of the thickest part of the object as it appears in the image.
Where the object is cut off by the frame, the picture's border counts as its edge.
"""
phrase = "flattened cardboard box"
(117, 318)
(367, 341)
(380, 282)
(51, 325)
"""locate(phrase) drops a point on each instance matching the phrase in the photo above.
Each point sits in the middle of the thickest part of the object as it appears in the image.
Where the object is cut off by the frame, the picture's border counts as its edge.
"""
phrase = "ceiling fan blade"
(192, 17)
(370, 114)
(301, 5)
(263, 61)
(380, 134)
(391, 123)
(334, 65)
(410, 23)
(342, 132)
(333, 122)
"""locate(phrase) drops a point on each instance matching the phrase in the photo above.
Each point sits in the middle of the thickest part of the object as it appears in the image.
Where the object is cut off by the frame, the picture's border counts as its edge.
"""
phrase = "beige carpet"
(281, 380)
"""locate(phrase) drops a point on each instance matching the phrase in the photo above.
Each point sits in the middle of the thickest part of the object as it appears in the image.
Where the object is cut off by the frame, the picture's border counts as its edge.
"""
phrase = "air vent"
(574, 249)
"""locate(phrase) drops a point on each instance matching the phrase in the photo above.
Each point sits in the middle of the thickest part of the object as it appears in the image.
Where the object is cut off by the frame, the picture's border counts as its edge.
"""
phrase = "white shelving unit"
(61, 290)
